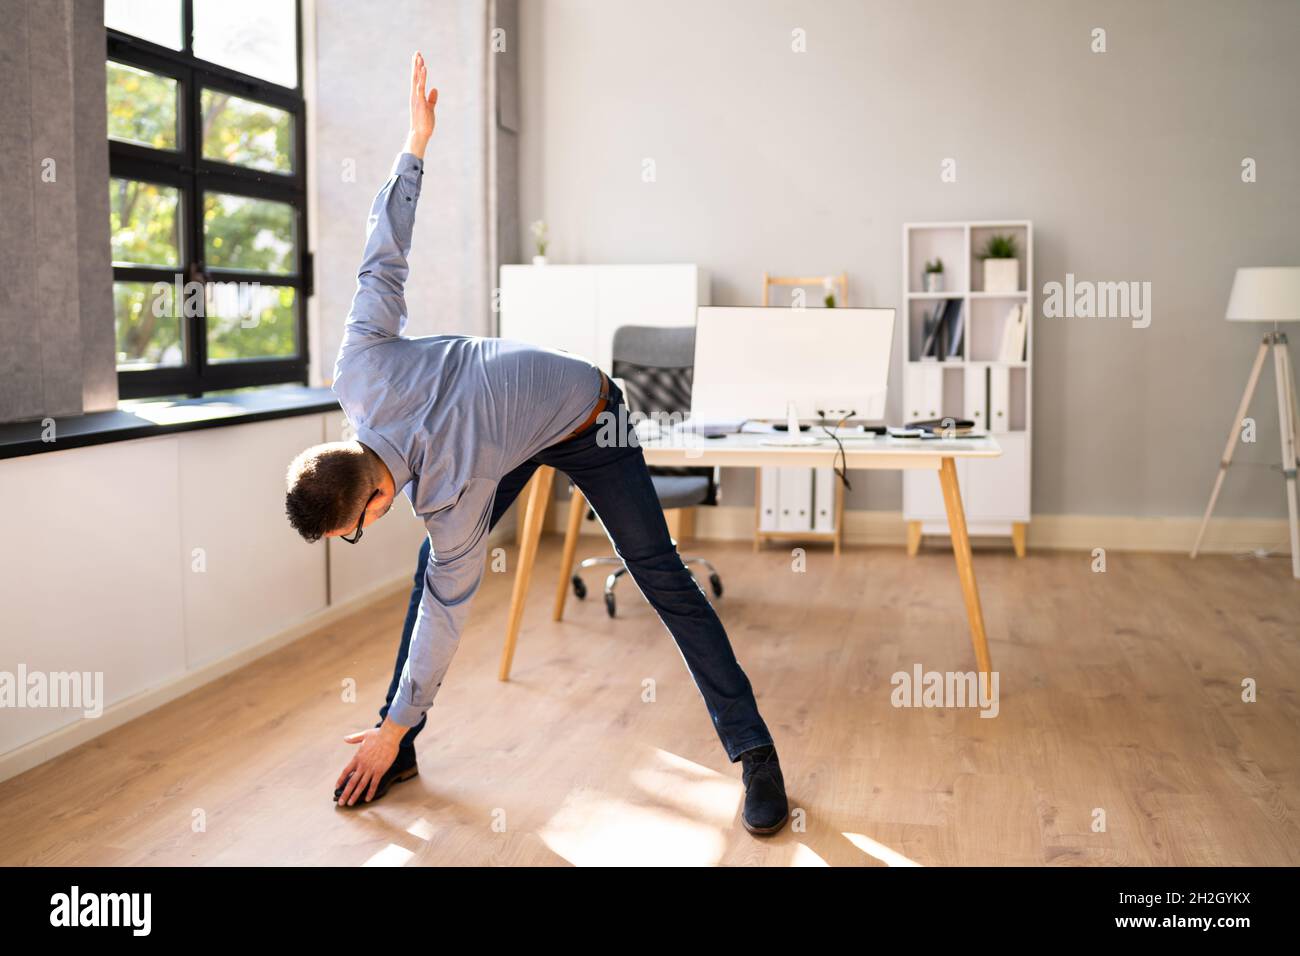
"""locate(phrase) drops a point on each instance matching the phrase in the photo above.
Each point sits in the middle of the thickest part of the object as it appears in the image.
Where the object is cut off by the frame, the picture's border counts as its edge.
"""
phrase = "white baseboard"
(1170, 534)
(1048, 532)
(73, 735)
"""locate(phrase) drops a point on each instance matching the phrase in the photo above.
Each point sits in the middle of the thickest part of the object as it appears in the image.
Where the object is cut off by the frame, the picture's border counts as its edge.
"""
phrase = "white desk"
(748, 451)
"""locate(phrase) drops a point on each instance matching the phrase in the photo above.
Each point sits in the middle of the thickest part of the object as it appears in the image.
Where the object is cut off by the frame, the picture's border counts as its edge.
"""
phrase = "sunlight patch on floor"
(805, 855)
(878, 850)
(421, 829)
(391, 855)
(595, 829)
(695, 790)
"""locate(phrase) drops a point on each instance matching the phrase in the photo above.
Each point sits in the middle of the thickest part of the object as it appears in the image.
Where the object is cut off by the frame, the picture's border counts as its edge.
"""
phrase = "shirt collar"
(395, 463)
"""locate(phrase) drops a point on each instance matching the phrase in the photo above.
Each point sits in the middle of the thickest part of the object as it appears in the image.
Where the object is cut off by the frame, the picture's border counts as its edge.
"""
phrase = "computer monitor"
(762, 363)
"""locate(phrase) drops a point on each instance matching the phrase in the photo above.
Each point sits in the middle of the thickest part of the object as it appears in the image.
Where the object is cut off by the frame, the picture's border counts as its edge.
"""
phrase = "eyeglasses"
(356, 535)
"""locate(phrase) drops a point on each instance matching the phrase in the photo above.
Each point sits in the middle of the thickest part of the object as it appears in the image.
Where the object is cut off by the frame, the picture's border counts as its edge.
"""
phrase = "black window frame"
(195, 175)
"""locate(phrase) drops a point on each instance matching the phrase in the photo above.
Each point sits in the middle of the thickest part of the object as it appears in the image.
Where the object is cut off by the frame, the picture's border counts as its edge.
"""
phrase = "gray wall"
(1128, 162)
(359, 118)
(56, 303)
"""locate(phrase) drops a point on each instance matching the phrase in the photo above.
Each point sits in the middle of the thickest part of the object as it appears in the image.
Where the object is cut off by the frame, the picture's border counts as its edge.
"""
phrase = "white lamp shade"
(1270, 294)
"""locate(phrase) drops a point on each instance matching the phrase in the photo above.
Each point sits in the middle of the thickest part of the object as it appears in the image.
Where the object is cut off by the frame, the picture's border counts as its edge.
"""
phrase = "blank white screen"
(750, 362)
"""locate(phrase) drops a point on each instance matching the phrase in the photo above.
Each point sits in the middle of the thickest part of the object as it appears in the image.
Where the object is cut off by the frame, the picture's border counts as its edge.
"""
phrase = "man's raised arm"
(379, 306)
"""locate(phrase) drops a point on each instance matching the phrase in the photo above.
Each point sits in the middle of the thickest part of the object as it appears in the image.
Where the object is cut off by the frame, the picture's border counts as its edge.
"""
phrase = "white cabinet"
(922, 496)
(245, 575)
(578, 308)
(998, 488)
(552, 306)
(994, 491)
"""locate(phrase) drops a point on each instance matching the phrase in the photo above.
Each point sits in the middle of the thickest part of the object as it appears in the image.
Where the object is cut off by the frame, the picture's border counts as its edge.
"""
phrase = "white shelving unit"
(975, 384)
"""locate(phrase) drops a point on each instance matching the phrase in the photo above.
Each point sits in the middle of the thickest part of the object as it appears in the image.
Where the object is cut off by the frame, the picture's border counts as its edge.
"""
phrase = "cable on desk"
(842, 468)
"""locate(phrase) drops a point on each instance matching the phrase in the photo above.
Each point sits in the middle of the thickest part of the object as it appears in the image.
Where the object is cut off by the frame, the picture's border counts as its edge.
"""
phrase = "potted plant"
(1001, 267)
(828, 292)
(538, 230)
(934, 276)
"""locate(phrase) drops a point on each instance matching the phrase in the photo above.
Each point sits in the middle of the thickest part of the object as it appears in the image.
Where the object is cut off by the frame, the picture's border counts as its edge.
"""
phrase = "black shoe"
(766, 807)
(403, 768)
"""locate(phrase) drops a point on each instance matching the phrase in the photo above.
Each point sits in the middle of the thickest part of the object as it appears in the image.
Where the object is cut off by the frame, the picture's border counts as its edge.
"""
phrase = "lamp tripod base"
(1287, 422)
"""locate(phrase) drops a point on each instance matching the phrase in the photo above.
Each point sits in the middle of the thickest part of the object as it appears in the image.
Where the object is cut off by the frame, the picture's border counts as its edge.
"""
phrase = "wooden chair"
(841, 282)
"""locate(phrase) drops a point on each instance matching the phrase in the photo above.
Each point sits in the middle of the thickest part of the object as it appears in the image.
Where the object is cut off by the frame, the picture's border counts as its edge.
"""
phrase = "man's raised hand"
(422, 107)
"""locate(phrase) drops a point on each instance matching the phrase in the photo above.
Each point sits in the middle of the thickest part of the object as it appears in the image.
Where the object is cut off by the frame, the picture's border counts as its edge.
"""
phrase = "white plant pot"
(1001, 275)
(934, 282)
(539, 260)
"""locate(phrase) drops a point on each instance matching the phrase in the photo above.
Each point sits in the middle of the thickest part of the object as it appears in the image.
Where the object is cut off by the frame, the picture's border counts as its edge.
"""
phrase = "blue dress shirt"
(449, 415)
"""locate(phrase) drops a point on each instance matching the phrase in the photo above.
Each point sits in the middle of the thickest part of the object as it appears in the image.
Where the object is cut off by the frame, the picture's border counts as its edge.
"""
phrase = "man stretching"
(461, 423)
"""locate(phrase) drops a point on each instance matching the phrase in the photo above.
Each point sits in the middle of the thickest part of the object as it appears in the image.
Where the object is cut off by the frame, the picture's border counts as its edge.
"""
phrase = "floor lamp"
(1266, 295)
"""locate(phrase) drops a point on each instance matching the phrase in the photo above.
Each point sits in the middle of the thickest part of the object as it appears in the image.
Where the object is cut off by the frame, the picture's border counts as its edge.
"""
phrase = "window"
(207, 194)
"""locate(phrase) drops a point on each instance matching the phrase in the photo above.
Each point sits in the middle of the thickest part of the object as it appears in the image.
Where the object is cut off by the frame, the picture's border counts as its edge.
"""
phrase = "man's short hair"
(328, 486)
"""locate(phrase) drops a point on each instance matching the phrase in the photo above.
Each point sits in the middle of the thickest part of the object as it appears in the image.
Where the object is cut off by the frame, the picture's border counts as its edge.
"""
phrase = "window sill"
(144, 418)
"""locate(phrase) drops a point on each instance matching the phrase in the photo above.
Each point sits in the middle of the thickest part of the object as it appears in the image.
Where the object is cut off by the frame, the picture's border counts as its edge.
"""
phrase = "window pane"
(254, 235)
(247, 320)
(149, 330)
(246, 133)
(259, 37)
(145, 223)
(141, 107)
(158, 21)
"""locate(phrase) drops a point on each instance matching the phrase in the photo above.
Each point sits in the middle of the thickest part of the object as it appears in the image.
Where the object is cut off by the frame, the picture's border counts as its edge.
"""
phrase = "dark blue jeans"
(607, 465)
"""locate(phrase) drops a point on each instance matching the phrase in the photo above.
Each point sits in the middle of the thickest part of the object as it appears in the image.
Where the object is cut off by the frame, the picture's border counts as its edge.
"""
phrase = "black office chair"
(656, 367)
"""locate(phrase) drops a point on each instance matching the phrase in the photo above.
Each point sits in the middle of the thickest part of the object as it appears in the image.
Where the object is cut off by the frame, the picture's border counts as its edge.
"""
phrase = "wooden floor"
(1120, 692)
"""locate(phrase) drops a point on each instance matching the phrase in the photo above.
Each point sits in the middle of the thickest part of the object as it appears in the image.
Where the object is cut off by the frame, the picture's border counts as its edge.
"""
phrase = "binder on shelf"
(999, 399)
(943, 329)
(769, 498)
(933, 344)
(1013, 334)
(794, 497)
(824, 499)
(976, 405)
(924, 390)
(954, 320)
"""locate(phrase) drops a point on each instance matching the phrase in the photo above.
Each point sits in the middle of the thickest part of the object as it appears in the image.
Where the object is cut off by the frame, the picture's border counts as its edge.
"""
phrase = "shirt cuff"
(403, 714)
(408, 164)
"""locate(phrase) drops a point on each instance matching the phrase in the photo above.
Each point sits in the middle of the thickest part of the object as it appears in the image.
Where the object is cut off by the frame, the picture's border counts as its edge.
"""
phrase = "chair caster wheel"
(579, 588)
(609, 604)
(715, 582)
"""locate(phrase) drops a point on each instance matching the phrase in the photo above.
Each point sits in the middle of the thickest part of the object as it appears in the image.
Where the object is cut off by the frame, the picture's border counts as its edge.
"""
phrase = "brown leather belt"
(601, 404)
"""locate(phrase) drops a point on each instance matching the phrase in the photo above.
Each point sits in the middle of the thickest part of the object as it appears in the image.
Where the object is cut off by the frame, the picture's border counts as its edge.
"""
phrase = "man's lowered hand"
(375, 754)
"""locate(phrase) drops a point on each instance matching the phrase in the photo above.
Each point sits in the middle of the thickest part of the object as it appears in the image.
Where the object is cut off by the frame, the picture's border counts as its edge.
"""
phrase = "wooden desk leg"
(539, 495)
(577, 505)
(913, 538)
(1018, 538)
(965, 570)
